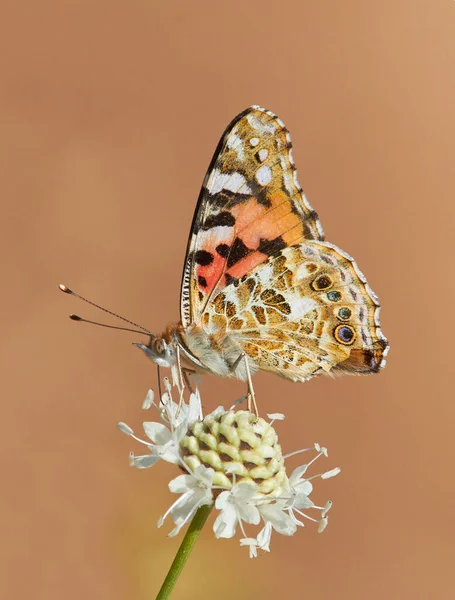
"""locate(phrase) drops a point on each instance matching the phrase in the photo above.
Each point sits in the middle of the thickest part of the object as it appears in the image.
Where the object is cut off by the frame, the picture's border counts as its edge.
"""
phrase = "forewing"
(305, 311)
(251, 206)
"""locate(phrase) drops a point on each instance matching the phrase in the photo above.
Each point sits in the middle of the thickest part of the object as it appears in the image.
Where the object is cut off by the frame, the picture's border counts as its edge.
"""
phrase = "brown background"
(109, 114)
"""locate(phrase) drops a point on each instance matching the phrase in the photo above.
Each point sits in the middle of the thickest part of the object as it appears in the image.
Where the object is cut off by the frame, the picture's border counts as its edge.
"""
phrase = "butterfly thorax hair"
(198, 351)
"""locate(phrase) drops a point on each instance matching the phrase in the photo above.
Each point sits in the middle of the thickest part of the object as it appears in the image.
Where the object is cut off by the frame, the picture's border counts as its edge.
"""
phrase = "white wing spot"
(263, 154)
(302, 272)
(263, 175)
(233, 182)
(260, 125)
(234, 142)
(254, 141)
(302, 306)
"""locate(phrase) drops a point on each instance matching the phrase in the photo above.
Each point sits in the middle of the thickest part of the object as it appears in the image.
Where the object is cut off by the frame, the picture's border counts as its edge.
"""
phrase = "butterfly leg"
(251, 398)
(250, 395)
(186, 375)
(160, 391)
(180, 371)
(181, 382)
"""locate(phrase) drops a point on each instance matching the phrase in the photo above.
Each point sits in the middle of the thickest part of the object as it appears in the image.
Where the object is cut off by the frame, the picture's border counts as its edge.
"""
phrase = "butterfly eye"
(334, 296)
(344, 334)
(159, 346)
(344, 313)
(323, 282)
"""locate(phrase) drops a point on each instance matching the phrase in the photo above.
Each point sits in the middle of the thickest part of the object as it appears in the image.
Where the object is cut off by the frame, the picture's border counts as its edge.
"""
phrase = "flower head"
(231, 459)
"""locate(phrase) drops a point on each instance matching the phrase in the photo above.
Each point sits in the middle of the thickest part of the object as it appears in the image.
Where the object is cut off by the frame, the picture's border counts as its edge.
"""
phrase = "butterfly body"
(259, 280)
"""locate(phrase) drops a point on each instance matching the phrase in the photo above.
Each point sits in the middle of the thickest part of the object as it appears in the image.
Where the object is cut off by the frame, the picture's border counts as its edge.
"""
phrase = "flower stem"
(184, 551)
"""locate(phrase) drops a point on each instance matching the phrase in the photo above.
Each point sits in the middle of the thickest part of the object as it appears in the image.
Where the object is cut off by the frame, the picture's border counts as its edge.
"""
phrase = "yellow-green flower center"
(236, 442)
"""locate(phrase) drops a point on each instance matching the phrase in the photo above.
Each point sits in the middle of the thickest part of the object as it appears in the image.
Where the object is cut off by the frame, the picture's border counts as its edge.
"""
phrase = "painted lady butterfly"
(259, 281)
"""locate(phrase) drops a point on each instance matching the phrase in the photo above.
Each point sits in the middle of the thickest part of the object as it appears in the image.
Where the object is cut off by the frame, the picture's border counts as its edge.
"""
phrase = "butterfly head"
(162, 352)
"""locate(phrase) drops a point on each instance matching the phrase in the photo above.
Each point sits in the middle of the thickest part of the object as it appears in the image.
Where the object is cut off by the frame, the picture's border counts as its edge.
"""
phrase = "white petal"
(194, 408)
(180, 415)
(222, 500)
(280, 520)
(304, 487)
(148, 401)
(204, 475)
(322, 524)
(143, 462)
(182, 484)
(249, 513)
(169, 453)
(264, 537)
(225, 523)
(276, 416)
(244, 492)
(157, 432)
(296, 521)
(180, 432)
(184, 511)
(218, 412)
(124, 428)
(331, 473)
(297, 474)
(170, 408)
(248, 542)
(252, 544)
(180, 513)
(218, 527)
(302, 501)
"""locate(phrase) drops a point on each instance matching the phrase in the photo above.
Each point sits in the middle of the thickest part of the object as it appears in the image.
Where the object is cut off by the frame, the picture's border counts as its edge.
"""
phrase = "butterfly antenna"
(82, 320)
(66, 290)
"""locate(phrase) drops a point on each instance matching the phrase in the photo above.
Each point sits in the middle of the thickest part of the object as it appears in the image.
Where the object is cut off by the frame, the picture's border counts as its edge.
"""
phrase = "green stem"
(184, 551)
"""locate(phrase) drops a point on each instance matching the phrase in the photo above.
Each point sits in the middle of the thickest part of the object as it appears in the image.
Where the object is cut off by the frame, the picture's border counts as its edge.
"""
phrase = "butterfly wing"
(251, 206)
(307, 310)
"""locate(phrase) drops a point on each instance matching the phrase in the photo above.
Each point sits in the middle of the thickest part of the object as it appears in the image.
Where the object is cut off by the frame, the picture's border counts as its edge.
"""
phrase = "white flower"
(232, 460)
(264, 536)
(235, 506)
(302, 487)
(165, 439)
(252, 544)
(278, 517)
(196, 490)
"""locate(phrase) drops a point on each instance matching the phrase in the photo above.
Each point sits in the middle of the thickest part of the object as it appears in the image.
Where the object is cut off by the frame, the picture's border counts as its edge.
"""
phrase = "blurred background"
(109, 114)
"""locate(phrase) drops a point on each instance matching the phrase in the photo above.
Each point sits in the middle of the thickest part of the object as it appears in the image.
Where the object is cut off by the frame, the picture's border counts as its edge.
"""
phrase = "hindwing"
(307, 310)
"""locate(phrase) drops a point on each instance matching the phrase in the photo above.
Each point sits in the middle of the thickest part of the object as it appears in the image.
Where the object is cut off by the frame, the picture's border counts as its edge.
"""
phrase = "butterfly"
(261, 289)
